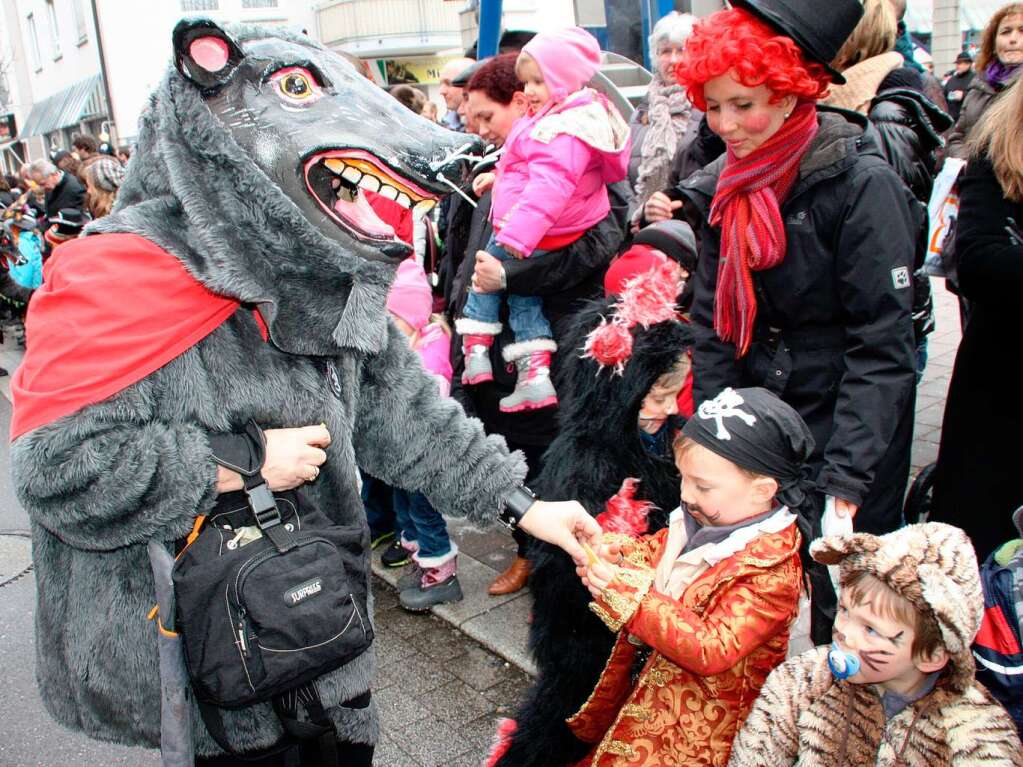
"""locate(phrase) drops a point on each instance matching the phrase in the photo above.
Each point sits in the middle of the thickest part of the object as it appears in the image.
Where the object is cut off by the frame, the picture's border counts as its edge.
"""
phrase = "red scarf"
(747, 206)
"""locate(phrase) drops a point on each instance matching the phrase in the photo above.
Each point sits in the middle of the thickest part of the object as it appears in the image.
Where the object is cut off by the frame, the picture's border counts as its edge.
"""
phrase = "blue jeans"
(525, 313)
(377, 499)
(420, 522)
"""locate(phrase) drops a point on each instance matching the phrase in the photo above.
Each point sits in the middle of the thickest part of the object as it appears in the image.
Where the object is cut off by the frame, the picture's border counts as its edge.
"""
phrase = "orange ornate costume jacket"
(711, 651)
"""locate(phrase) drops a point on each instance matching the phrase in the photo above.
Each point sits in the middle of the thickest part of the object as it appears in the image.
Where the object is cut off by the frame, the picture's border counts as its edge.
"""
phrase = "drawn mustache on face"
(698, 513)
(874, 659)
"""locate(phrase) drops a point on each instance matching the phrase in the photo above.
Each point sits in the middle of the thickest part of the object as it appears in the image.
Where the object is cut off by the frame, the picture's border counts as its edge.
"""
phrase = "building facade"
(60, 90)
(137, 46)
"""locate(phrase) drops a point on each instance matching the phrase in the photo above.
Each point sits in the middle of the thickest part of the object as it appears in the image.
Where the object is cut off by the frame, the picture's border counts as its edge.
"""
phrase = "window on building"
(81, 25)
(54, 29)
(33, 43)
(199, 5)
(259, 3)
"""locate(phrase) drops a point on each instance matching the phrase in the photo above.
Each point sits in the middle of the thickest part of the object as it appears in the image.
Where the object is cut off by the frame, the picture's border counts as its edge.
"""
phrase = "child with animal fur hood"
(897, 687)
(617, 421)
(550, 187)
(702, 609)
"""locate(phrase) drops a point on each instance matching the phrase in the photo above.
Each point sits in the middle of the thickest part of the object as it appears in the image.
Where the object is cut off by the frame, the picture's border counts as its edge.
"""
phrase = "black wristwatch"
(518, 502)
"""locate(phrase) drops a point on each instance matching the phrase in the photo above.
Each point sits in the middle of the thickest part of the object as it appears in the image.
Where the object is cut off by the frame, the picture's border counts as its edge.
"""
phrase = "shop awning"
(973, 14)
(67, 107)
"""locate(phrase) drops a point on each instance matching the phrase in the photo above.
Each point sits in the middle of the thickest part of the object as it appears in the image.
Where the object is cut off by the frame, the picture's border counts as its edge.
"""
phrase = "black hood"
(599, 442)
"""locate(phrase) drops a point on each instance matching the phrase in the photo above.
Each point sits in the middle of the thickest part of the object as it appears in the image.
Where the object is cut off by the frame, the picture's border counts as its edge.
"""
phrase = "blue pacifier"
(842, 664)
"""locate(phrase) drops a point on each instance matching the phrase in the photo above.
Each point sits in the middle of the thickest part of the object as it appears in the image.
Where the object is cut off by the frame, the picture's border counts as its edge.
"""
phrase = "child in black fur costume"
(601, 442)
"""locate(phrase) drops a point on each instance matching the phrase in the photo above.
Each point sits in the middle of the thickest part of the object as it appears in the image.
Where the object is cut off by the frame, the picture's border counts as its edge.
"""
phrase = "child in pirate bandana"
(702, 608)
(896, 688)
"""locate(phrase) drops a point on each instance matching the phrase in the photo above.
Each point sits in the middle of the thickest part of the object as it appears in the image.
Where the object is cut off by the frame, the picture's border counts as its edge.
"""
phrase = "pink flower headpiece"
(647, 299)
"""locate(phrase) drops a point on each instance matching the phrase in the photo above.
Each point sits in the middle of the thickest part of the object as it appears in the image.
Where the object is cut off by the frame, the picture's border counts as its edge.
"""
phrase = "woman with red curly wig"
(804, 284)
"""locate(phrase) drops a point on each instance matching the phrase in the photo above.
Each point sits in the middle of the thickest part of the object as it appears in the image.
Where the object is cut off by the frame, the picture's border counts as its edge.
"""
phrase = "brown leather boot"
(511, 580)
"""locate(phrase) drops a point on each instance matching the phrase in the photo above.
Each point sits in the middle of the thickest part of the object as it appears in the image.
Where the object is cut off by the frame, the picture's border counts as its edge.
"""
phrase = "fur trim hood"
(932, 565)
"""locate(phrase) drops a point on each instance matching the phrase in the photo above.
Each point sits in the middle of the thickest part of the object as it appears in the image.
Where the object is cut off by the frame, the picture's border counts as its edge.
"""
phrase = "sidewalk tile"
(433, 742)
(505, 630)
(481, 670)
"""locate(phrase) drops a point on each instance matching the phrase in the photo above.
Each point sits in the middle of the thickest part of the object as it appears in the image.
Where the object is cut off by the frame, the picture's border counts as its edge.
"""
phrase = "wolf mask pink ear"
(205, 54)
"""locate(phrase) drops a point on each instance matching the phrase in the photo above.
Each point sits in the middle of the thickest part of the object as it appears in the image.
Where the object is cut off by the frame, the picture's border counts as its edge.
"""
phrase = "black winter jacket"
(833, 335)
(955, 91)
(909, 127)
(69, 193)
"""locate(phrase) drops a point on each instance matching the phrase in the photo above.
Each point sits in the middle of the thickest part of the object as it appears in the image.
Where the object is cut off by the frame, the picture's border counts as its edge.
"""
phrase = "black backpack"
(269, 596)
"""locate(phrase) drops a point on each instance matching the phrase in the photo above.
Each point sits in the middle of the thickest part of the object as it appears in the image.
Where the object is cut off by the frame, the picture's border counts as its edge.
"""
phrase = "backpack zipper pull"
(233, 543)
(243, 641)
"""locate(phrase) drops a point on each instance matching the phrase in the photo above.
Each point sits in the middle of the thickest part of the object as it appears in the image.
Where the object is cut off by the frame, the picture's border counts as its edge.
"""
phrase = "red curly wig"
(736, 41)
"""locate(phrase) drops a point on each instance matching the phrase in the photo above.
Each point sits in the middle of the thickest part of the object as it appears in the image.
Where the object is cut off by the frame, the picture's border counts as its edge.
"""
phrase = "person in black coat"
(600, 444)
(63, 190)
(976, 485)
(909, 128)
(958, 84)
(834, 335)
(826, 322)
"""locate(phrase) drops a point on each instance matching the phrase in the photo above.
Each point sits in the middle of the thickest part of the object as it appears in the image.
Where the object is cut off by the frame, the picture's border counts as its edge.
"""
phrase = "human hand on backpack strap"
(293, 457)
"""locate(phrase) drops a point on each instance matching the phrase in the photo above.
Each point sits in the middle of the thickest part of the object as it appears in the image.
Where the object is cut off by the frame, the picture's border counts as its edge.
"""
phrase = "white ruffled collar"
(712, 553)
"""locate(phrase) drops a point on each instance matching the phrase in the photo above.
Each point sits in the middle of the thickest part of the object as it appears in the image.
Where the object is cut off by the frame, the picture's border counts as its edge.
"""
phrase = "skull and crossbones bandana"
(756, 431)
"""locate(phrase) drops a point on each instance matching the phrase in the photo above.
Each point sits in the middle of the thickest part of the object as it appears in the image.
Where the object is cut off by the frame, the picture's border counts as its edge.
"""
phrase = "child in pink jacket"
(432, 578)
(550, 187)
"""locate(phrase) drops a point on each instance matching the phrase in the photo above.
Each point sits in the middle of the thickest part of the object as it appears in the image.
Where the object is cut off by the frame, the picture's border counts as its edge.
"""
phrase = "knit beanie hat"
(673, 238)
(107, 173)
(639, 259)
(934, 567)
(568, 59)
(410, 296)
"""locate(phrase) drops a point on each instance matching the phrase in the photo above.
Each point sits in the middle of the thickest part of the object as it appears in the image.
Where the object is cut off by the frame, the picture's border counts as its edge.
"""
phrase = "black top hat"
(70, 220)
(818, 32)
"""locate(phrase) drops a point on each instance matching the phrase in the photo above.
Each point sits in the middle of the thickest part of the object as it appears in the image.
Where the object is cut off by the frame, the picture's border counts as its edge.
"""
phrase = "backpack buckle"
(263, 505)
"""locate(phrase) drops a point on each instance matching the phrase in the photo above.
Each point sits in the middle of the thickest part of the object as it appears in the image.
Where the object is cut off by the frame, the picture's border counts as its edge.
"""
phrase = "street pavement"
(440, 692)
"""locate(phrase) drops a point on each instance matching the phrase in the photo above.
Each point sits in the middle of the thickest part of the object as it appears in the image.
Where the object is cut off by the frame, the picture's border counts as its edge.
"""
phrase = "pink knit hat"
(410, 296)
(568, 59)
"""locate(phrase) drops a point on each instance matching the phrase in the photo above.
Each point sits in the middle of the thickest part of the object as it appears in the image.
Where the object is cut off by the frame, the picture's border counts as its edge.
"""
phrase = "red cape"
(112, 309)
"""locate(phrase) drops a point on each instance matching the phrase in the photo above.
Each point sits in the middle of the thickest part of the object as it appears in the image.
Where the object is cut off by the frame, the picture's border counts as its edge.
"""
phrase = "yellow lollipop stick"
(590, 556)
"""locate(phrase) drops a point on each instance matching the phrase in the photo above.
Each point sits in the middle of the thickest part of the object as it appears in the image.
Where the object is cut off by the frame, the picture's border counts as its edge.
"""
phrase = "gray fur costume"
(100, 483)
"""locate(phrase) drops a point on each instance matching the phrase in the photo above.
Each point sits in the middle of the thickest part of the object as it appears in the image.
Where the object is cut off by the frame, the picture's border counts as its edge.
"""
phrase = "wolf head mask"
(250, 167)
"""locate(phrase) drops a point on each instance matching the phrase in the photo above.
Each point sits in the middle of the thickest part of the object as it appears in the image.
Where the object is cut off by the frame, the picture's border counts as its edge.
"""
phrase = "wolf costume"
(239, 157)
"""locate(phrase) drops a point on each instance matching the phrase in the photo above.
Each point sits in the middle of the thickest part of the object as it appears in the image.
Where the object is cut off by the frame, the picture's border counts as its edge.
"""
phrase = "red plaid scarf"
(747, 206)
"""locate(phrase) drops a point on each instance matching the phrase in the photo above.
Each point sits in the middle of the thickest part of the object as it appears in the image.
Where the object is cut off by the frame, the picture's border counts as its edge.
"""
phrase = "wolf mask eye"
(296, 85)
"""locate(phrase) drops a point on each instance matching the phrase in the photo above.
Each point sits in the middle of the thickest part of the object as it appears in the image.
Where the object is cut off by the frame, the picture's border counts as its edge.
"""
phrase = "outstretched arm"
(408, 435)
